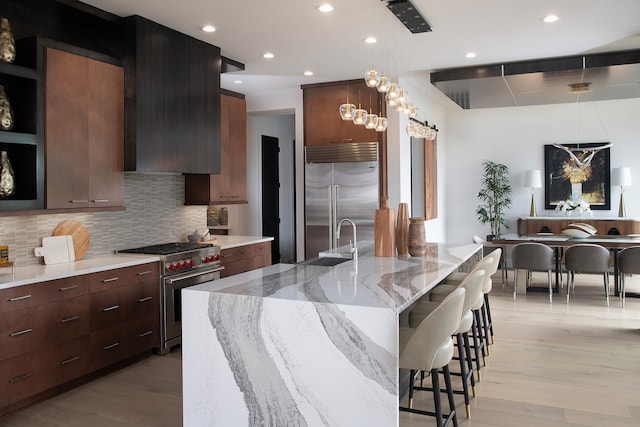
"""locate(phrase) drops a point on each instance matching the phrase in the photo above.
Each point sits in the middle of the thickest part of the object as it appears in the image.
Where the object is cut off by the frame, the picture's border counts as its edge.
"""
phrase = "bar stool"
(472, 301)
(429, 347)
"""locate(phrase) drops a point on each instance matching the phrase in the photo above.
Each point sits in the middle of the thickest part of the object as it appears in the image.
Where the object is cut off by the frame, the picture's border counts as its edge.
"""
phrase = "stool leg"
(478, 341)
(467, 349)
(488, 308)
(606, 286)
(485, 325)
(463, 373)
(412, 376)
(435, 382)
(452, 403)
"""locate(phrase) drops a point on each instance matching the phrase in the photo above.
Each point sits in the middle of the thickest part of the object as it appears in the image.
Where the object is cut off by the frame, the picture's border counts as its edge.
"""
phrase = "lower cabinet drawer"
(108, 346)
(68, 360)
(144, 334)
(22, 331)
(23, 376)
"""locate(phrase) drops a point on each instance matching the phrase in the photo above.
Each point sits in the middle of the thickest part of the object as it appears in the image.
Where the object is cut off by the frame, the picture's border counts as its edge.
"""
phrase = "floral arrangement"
(569, 207)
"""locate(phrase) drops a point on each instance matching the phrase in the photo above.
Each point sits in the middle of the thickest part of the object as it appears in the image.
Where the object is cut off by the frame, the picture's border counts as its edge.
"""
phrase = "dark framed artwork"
(578, 171)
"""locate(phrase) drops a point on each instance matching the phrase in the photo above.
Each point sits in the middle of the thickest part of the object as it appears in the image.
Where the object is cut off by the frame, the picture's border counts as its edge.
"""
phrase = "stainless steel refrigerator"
(341, 181)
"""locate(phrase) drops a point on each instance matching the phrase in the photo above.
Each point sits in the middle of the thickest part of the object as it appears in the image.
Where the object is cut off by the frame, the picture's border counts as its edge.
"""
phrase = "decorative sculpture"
(7, 178)
(6, 114)
(7, 43)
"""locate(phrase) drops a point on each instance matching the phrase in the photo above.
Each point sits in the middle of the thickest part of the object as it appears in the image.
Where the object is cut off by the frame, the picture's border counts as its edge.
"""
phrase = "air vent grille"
(345, 152)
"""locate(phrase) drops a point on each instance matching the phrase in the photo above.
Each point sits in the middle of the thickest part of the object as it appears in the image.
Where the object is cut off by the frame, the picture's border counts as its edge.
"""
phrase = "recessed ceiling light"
(370, 40)
(470, 55)
(237, 82)
(208, 28)
(268, 55)
(325, 8)
(550, 18)
(308, 73)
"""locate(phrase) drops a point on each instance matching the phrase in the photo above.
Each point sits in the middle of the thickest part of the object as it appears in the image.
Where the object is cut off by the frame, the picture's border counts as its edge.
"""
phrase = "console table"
(555, 224)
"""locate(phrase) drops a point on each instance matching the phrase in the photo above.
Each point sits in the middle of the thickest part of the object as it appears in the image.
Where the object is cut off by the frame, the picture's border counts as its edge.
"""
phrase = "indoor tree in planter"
(495, 197)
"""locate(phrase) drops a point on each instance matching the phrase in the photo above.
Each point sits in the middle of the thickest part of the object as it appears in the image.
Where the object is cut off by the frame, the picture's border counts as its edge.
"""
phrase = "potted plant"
(495, 197)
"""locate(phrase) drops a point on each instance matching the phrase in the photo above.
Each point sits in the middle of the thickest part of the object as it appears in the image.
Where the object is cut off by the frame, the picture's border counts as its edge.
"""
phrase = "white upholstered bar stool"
(473, 300)
(429, 347)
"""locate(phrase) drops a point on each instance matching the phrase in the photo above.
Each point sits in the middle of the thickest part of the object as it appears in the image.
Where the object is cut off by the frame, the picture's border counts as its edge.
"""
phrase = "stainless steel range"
(183, 265)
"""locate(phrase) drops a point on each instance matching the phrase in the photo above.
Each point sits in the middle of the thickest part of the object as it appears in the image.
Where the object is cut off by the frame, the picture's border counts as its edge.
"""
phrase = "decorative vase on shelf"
(7, 43)
(384, 230)
(402, 229)
(7, 178)
(417, 241)
(6, 114)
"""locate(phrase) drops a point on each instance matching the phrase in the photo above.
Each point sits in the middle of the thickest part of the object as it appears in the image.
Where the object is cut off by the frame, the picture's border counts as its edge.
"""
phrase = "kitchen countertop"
(300, 344)
(230, 241)
(39, 273)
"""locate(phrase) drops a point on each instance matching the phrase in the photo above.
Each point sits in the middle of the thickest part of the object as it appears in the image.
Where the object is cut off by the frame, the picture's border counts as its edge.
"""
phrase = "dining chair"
(532, 256)
(628, 263)
(587, 258)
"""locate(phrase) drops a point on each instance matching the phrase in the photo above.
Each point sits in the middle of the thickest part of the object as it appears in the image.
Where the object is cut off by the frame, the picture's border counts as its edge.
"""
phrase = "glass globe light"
(393, 91)
(372, 78)
(406, 108)
(382, 124)
(411, 129)
(399, 105)
(414, 111)
(360, 116)
(383, 86)
(372, 121)
(347, 111)
(391, 100)
(402, 95)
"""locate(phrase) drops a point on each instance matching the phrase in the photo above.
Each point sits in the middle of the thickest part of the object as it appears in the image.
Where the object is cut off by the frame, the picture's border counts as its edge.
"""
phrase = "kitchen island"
(305, 344)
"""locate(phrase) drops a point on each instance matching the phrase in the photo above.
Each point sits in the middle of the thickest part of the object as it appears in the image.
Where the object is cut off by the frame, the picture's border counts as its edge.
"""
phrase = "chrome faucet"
(352, 244)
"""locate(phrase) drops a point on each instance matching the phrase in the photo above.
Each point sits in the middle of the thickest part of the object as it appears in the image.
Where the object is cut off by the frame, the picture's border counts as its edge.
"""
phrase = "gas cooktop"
(167, 248)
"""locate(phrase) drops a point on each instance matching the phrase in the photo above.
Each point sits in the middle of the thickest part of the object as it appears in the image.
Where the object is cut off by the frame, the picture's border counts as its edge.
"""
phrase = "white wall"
(516, 137)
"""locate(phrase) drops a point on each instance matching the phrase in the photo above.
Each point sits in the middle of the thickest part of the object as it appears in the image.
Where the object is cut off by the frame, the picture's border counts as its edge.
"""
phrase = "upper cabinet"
(172, 102)
(230, 185)
(23, 143)
(322, 122)
(84, 114)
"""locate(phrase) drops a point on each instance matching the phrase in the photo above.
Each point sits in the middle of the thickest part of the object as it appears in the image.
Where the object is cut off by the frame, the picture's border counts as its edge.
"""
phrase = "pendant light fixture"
(360, 114)
(372, 119)
(347, 110)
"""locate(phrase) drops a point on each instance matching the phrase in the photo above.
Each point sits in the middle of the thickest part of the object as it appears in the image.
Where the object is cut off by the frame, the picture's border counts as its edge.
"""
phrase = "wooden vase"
(402, 229)
(417, 241)
(384, 231)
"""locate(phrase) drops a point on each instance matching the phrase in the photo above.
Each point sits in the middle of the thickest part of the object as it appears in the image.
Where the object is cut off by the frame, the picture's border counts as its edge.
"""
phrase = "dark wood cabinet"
(322, 122)
(172, 100)
(57, 331)
(84, 107)
(245, 258)
(230, 185)
(605, 226)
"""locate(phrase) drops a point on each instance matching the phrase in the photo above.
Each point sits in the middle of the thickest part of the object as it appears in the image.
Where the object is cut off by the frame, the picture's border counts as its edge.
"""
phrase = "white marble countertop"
(231, 241)
(40, 273)
(380, 282)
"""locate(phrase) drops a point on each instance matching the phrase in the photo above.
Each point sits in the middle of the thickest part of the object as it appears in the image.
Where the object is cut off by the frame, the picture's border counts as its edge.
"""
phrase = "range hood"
(595, 77)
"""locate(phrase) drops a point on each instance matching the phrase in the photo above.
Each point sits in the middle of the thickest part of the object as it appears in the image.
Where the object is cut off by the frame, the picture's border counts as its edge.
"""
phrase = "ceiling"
(332, 45)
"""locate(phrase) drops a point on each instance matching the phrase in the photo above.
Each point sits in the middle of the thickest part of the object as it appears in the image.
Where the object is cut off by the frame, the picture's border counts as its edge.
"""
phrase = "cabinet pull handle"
(109, 347)
(144, 334)
(24, 331)
(112, 279)
(101, 201)
(73, 359)
(227, 255)
(142, 273)
(20, 378)
(70, 319)
(145, 299)
(79, 201)
(113, 307)
(68, 288)
(19, 298)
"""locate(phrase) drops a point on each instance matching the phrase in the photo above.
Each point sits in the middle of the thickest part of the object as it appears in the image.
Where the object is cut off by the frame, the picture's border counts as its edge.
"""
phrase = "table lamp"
(533, 180)
(621, 177)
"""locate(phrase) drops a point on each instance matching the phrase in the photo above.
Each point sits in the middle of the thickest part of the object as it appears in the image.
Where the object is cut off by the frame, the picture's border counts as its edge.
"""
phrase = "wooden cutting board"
(78, 232)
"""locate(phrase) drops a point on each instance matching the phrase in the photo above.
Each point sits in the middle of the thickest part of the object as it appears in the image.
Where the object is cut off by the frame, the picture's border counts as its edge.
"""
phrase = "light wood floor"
(551, 365)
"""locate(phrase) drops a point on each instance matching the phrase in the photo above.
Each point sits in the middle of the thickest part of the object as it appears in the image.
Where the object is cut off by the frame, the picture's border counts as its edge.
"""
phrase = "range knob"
(171, 267)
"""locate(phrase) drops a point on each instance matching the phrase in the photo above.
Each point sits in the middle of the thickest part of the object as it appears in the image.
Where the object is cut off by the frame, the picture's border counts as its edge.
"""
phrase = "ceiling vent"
(580, 87)
(407, 13)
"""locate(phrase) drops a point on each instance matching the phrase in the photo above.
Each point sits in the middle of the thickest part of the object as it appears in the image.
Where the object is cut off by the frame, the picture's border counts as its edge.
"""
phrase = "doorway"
(271, 193)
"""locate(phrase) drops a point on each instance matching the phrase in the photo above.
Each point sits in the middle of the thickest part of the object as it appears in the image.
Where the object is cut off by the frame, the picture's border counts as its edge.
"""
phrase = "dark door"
(271, 194)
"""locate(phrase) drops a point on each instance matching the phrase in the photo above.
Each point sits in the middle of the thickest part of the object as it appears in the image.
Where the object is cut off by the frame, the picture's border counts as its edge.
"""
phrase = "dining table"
(559, 242)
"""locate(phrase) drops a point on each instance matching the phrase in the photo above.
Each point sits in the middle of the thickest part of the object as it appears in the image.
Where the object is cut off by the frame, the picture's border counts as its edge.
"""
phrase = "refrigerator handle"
(332, 229)
(334, 225)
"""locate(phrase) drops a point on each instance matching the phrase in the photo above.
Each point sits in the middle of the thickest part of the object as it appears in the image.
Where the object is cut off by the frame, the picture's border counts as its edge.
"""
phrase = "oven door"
(172, 313)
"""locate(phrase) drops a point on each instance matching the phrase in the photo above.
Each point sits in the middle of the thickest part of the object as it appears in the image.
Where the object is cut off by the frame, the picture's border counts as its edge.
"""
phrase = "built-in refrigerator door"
(357, 198)
(318, 180)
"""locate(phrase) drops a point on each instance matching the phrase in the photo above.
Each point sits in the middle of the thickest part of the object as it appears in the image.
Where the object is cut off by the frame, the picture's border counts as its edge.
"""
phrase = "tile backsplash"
(155, 213)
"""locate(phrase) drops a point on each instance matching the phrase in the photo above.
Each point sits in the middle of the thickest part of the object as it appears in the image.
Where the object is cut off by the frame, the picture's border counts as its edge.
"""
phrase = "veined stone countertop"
(231, 241)
(41, 273)
(304, 345)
